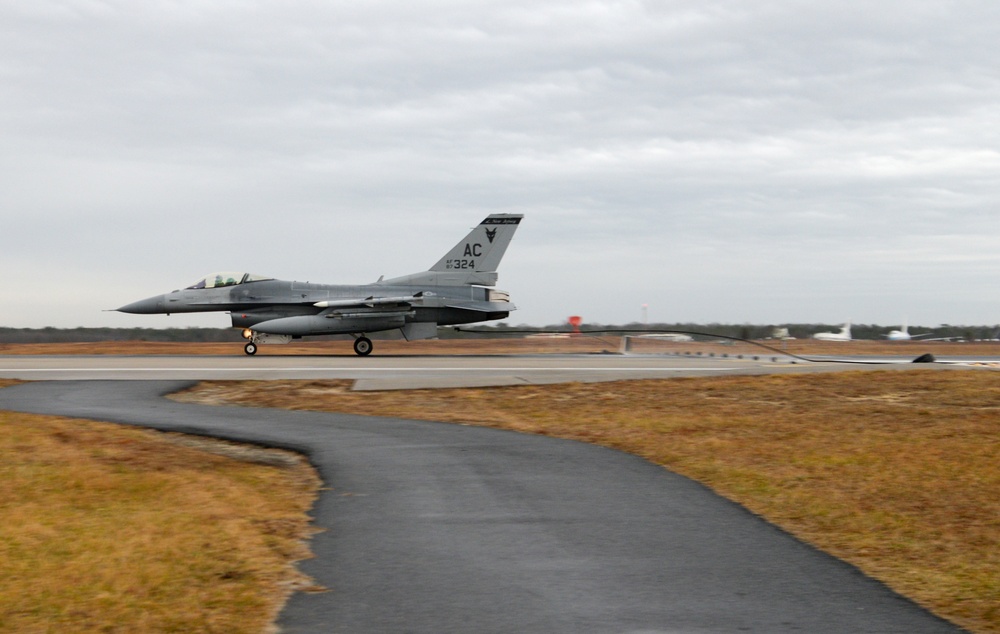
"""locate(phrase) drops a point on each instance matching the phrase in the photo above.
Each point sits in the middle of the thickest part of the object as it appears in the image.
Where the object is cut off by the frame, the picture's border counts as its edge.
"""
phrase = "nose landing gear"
(251, 347)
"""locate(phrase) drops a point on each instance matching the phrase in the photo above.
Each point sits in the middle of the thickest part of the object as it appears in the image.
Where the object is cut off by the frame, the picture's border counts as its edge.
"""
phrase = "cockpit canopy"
(218, 280)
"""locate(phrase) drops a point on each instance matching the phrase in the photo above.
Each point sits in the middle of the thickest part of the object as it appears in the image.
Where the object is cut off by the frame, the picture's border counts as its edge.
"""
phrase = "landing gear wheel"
(363, 346)
(250, 348)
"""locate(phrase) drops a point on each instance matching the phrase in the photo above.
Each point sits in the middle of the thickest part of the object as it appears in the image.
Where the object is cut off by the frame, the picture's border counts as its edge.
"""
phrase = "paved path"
(446, 528)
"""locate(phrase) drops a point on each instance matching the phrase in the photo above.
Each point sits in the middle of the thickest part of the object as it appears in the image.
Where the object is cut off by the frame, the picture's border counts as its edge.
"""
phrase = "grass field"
(895, 472)
(105, 528)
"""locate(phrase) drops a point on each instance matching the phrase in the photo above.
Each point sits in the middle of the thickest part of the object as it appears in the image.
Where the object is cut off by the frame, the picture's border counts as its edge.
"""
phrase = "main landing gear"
(363, 346)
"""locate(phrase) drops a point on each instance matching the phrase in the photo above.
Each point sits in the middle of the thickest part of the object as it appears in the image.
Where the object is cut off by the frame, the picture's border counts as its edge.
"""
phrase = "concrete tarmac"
(446, 528)
(401, 372)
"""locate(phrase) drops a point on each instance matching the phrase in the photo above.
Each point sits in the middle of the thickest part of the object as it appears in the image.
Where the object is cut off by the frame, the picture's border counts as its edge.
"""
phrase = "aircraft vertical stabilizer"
(474, 260)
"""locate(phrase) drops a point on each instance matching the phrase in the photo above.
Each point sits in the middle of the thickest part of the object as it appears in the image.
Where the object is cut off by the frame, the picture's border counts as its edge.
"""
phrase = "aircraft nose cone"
(148, 306)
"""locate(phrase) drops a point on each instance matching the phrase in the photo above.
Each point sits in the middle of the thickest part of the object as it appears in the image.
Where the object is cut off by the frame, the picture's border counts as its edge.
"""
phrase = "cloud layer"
(764, 163)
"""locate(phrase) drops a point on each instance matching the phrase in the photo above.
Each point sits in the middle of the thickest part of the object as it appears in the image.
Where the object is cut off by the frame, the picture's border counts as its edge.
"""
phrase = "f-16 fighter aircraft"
(456, 290)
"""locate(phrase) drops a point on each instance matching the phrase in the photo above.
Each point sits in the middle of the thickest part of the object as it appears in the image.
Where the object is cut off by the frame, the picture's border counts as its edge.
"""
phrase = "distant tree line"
(743, 331)
(90, 335)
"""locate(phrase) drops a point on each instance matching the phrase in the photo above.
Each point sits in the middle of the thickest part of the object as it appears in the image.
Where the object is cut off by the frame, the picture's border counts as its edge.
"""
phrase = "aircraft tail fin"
(474, 260)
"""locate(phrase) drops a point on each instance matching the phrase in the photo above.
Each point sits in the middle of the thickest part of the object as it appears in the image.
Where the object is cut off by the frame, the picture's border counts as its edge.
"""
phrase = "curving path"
(446, 528)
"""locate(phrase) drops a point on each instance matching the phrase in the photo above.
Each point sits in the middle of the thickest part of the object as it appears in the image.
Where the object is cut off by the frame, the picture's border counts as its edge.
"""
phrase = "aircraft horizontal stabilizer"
(483, 307)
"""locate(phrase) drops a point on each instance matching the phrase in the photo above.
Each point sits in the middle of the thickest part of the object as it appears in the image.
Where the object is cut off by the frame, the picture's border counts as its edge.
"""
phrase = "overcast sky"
(733, 162)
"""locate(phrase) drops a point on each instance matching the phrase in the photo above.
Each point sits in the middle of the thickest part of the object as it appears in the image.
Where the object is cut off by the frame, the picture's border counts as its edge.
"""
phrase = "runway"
(446, 528)
(401, 372)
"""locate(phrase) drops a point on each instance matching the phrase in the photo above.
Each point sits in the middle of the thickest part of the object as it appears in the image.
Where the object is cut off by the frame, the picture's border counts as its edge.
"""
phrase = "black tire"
(250, 348)
(363, 346)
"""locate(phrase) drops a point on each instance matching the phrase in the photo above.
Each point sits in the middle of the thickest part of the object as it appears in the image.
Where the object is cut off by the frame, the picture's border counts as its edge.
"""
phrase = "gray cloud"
(721, 161)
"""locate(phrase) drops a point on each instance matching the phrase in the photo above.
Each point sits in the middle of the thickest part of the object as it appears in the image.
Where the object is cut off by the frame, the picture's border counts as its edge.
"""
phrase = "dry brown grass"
(112, 529)
(895, 472)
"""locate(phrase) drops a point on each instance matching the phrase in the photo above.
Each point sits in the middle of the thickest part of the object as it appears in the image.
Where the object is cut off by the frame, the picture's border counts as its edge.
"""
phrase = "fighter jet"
(456, 290)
